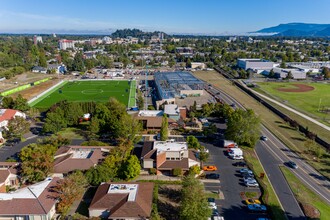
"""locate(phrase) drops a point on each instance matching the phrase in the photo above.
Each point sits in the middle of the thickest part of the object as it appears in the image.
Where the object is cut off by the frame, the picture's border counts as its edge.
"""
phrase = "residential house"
(197, 65)
(36, 201)
(152, 120)
(174, 112)
(118, 65)
(5, 116)
(122, 201)
(39, 69)
(57, 68)
(8, 175)
(70, 158)
(165, 156)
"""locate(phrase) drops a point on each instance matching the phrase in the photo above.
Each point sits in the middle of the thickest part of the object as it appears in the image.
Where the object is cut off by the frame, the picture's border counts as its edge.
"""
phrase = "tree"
(78, 62)
(203, 156)
(55, 121)
(326, 72)
(164, 129)
(7, 102)
(37, 161)
(70, 189)
(94, 127)
(243, 127)
(289, 76)
(271, 74)
(194, 170)
(193, 143)
(42, 59)
(193, 200)
(130, 168)
(17, 127)
(21, 104)
(139, 100)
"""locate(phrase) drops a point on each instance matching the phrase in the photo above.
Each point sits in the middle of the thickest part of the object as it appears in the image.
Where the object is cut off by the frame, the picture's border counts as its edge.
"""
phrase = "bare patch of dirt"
(310, 211)
(299, 88)
(36, 90)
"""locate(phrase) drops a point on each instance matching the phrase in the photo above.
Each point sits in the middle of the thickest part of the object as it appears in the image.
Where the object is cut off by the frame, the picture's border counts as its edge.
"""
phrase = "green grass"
(87, 91)
(308, 102)
(251, 194)
(70, 133)
(268, 194)
(305, 195)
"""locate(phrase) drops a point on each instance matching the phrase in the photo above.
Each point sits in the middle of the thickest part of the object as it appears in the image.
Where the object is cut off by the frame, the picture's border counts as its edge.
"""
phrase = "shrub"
(153, 171)
(177, 172)
(195, 170)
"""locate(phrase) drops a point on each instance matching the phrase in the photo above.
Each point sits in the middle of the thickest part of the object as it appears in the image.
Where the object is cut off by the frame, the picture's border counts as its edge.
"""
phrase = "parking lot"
(230, 186)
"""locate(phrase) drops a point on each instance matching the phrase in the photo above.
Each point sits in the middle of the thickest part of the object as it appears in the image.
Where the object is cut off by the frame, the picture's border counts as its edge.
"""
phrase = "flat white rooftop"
(131, 189)
(150, 113)
(81, 154)
(29, 192)
(162, 146)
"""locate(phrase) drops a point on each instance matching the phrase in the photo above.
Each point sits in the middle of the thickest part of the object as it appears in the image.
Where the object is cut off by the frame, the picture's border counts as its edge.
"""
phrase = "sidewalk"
(158, 177)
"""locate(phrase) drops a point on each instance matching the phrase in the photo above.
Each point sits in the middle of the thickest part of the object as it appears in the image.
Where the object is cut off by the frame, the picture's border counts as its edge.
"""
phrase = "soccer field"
(89, 91)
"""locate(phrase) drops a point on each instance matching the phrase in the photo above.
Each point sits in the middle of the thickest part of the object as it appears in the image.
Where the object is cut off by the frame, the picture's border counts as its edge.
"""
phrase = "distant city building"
(107, 40)
(283, 73)
(37, 39)
(54, 35)
(197, 65)
(65, 44)
(255, 64)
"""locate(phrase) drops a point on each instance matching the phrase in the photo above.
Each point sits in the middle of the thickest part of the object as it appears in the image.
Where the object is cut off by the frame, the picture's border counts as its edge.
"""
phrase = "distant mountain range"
(298, 30)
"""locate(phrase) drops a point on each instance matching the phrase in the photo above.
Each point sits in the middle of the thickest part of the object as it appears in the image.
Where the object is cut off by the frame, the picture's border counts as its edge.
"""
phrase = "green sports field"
(89, 91)
(310, 102)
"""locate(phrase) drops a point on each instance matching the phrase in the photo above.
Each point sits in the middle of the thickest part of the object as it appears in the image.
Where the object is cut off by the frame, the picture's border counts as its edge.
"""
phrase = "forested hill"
(123, 33)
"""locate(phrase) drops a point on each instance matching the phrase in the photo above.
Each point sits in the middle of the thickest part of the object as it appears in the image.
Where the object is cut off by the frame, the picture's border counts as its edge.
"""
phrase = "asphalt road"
(280, 185)
(270, 163)
(308, 175)
(231, 205)
(12, 151)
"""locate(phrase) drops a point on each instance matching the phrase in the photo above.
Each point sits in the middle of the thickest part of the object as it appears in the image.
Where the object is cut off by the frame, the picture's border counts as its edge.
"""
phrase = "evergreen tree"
(164, 129)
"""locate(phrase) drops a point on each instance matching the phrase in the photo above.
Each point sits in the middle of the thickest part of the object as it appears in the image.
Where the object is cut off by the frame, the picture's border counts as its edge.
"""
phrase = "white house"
(5, 116)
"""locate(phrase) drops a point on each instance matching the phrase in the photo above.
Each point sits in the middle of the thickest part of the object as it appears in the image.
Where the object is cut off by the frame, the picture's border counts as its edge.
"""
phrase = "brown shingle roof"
(37, 205)
(5, 172)
(65, 163)
(171, 164)
(118, 204)
(155, 122)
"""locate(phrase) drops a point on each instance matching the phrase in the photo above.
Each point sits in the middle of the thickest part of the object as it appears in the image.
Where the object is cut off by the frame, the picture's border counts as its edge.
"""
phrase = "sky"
(216, 17)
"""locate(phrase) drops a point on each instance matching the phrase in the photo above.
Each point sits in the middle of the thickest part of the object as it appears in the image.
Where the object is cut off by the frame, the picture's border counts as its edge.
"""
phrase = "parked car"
(214, 176)
(212, 206)
(210, 168)
(211, 201)
(264, 138)
(257, 208)
(292, 164)
(251, 184)
(248, 175)
(252, 201)
(248, 178)
(237, 157)
(239, 164)
(245, 170)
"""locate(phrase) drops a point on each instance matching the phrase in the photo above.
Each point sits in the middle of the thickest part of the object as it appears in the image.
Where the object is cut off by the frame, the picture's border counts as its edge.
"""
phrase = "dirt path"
(36, 90)
(299, 88)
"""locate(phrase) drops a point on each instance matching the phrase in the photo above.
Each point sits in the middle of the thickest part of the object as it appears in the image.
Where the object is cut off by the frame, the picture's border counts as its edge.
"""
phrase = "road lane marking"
(300, 160)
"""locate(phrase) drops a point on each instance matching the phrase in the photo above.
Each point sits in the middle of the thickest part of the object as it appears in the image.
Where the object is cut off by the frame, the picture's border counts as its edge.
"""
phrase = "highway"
(282, 154)
(271, 162)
